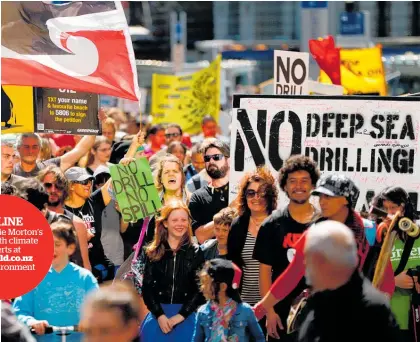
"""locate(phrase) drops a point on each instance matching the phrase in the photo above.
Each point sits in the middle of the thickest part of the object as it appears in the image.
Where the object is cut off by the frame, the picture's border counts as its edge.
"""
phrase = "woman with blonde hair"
(170, 285)
(99, 154)
(46, 150)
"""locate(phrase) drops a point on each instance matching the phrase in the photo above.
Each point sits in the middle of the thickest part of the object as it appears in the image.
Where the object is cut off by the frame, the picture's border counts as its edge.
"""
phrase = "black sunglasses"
(85, 182)
(172, 135)
(215, 157)
(57, 186)
(252, 193)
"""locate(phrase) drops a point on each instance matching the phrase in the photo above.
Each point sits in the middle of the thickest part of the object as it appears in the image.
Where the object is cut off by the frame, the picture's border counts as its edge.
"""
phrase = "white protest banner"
(373, 140)
(291, 71)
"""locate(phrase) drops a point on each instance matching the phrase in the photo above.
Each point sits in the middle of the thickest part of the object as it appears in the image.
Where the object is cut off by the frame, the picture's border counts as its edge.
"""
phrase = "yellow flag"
(362, 71)
(185, 100)
(17, 109)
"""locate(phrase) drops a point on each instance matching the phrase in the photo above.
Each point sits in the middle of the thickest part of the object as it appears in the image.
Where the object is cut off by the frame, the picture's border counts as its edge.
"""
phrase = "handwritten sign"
(375, 141)
(134, 188)
(67, 111)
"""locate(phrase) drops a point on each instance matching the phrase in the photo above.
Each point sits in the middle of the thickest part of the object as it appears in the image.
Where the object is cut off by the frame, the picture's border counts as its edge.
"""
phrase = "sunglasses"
(57, 186)
(252, 193)
(215, 157)
(85, 182)
(172, 135)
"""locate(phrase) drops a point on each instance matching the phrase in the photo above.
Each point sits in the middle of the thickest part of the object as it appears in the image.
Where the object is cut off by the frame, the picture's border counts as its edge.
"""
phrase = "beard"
(298, 201)
(54, 204)
(215, 173)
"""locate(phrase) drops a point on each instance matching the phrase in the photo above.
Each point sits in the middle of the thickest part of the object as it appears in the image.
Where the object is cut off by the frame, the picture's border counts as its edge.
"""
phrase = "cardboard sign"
(291, 70)
(373, 140)
(135, 190)
(66, 111)
(17, 109)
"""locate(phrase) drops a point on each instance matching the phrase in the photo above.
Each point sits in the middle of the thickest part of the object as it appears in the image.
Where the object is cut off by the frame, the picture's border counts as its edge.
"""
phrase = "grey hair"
(20, 138)
(333, 240)
(7, 143)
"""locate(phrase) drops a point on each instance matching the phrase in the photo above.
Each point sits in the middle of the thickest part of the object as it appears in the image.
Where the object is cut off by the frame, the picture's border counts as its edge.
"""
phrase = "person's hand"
(89, 235)
(259, 310)
(126, 161)
(39, 327)
(102, 115)
(139, 138)
(164, 324)
(273, 321)
(174, 320)
(404, 281)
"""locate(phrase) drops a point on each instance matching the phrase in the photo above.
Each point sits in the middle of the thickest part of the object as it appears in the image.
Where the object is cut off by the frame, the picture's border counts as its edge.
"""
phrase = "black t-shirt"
(207, 202)
(274, 247)
(91, 214)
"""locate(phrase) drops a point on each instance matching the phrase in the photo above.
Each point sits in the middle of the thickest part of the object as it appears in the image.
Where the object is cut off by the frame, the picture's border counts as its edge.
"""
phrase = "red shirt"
(290, 278)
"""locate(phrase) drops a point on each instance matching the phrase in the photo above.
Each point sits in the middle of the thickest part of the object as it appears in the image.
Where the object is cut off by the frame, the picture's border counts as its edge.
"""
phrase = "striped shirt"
(250, 281)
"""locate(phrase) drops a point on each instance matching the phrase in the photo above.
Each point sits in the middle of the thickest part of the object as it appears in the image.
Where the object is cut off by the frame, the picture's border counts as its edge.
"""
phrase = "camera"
(414, 272)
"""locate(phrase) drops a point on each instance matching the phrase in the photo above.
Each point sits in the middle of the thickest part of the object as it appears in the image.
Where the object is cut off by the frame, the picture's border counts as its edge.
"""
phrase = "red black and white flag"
(78, 45)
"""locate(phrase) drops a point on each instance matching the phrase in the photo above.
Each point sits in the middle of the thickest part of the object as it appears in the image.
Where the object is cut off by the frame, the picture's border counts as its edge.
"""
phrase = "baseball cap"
(101, 169)
(337, 185)
(77, 174)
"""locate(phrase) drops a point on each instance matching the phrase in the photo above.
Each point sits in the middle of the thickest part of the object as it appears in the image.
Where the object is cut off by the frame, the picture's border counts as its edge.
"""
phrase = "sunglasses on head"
(85, 182)
(252, 193)
(57, 186)
(215, 157)
(172, 135)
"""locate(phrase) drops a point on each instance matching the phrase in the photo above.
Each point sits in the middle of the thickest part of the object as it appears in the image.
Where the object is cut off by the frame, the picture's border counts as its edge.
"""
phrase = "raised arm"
(83, 147)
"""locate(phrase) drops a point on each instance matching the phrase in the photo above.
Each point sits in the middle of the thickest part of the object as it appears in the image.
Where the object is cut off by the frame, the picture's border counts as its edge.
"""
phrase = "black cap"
(337, 185)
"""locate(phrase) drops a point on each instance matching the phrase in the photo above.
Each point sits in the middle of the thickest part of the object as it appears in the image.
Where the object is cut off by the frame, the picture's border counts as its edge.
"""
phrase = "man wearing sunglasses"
(56, 185)
(210, 199)
(89, 207)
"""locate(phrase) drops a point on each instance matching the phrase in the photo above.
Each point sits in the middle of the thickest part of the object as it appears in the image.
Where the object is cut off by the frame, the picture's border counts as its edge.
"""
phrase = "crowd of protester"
(208, 269)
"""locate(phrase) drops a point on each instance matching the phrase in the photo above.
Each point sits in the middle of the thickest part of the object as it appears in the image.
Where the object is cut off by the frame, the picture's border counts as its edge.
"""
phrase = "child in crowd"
(217, 248)
(225, 317)
(57, 299)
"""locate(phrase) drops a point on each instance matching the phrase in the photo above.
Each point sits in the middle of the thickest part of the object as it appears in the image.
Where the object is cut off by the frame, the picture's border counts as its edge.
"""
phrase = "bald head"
(333, 240)
(330, 254)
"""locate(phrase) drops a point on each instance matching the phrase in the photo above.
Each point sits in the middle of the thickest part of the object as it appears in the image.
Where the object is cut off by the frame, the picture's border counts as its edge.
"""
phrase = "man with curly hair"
(337, 197)
(278, 234)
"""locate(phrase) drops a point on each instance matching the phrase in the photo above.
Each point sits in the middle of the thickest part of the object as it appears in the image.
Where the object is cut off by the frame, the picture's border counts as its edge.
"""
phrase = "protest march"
(180, 199)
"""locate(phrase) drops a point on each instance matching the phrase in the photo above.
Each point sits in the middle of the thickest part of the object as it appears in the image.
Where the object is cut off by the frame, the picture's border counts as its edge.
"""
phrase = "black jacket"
(237, 238)
(174, 280)
(354, 312)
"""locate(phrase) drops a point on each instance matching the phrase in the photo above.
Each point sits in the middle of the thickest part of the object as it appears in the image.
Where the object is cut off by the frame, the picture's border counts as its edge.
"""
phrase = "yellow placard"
(187, 99)
(17, 109)
(362, 71)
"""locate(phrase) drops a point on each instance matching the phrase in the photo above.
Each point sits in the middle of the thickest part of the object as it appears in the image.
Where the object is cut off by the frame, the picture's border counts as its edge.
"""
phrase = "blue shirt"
(58, 298)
